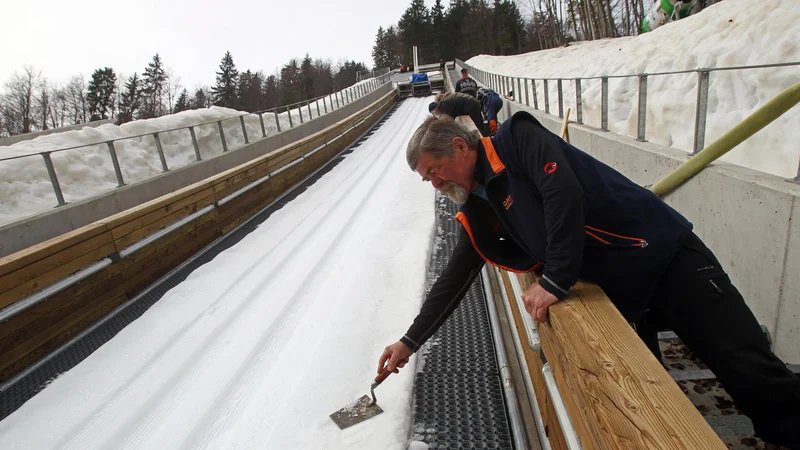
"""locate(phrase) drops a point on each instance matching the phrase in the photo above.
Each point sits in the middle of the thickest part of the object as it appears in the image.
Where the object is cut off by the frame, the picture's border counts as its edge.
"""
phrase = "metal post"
(700, 112)
(115, 162)
(316, 102)
(348, 96)
(161, 150)
(560, 99)
(222, 137)
(518, 97)
(642, 106)
(604, 105)
(51, 170)
(535, 95)
(527, 94)
(261, 121)
(196, 147)
(797, 178)
(244, 130)
(579, 100)
(289, 112)
(308, 104)
(277, 122)
(325, 105)
(300, 110)
(337, 100)
(546, 97)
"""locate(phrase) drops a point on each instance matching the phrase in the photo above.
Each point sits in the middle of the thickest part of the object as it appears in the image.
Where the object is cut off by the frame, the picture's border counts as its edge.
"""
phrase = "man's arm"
(446, 293)
(546, 166)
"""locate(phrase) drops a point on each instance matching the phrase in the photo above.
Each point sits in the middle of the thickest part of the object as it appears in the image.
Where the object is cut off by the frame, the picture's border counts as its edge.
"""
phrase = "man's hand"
(395, 357)
(537, 300)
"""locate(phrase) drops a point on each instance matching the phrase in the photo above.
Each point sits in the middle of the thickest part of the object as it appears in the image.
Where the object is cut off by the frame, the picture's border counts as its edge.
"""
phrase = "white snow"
(729, 33)
(25, 187)
(257, 347)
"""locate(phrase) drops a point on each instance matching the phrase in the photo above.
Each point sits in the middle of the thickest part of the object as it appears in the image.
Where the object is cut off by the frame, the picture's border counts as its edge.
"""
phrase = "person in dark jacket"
(530, 201)
(455, 104)
(492, 103)
(466, 85)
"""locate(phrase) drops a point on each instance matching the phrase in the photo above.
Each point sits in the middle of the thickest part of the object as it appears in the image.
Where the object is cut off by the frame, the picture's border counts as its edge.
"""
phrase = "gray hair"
(435, 136)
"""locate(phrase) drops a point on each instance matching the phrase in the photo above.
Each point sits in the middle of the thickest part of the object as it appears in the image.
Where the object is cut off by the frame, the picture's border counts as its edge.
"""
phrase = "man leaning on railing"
(531, 201)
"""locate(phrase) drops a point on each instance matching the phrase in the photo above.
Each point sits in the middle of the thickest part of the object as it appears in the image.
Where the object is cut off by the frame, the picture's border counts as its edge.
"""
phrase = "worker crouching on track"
(492, 103)
(455, 104)
(531, 201)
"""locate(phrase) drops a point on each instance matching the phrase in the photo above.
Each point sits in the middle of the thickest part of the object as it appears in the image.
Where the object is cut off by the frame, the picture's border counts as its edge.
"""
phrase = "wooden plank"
(64, 257)
(534, 368)
(167, 258)
(29, 287)
(31, 323)
(144, 221)
(34, 350)
(57, 301)
(163, 222)
(44, 249)
(619, 394)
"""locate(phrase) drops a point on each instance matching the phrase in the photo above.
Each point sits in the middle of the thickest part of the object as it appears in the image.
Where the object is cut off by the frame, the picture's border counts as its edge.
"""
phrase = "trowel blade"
(356, 412)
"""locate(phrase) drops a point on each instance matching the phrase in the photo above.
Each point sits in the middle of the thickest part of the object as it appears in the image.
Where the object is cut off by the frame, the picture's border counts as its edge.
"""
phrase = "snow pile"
(25, 187)
(729, 33)
(257, 347)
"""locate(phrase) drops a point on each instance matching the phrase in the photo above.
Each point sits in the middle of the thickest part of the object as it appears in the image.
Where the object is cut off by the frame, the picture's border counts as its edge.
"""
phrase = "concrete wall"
(744, 216)
(28, 136)
(33, 230)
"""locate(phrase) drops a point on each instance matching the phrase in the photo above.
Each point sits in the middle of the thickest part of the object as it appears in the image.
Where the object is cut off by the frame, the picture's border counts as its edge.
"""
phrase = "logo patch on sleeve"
(550, 167)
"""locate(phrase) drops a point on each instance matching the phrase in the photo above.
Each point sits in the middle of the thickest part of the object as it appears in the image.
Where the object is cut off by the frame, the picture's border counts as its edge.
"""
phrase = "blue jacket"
(628, 238)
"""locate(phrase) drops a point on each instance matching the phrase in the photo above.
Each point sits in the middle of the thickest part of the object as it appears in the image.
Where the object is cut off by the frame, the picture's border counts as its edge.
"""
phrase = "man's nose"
(436, 182)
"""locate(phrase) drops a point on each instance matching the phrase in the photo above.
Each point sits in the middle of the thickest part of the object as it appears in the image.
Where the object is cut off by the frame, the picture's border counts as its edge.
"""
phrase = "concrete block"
(787, 337)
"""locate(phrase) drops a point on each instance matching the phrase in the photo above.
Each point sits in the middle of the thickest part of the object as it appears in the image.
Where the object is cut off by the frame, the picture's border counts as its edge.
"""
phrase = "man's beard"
(456, 193)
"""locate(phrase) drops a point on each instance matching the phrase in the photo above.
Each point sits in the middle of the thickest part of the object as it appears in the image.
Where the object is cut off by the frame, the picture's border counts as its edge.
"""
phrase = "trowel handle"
(379, 379)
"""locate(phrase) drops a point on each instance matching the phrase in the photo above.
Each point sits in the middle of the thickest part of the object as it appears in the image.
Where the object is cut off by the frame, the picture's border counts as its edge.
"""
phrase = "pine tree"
(291, 87)
(415, 28)
(153, 82)
(224, 91)
(271, 92)
(307, 77)
(102, 88)
(379, 50)
(182, 103)
(438, 32)
(201, 99)
(130, 99)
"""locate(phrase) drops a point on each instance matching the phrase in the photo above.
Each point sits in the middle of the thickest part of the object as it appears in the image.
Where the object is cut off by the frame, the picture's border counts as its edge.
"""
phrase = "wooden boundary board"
(35, 332)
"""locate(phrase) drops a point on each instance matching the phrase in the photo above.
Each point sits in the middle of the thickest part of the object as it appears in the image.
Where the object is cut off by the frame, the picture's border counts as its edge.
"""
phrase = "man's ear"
(460, 146)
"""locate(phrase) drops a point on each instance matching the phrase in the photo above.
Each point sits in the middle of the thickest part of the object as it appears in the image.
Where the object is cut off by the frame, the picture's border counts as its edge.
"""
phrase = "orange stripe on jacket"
(491, 155)
(462, 218)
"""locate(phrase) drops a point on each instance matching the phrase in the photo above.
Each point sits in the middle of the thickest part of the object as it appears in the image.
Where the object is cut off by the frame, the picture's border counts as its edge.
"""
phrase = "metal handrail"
(345, 96)
(47, 292)
(503, 83)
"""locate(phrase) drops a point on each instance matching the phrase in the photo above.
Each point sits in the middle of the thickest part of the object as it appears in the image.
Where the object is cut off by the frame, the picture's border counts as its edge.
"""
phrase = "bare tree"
(43, 105)
(75, 93)
(173, 86)
(18, 101)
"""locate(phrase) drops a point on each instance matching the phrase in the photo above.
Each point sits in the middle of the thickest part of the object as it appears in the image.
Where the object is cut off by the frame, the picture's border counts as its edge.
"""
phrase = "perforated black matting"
(67, 357)
(458, 396)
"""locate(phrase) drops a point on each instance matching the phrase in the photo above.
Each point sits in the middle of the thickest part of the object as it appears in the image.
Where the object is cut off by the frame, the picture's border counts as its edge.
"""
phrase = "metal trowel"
(362, 409)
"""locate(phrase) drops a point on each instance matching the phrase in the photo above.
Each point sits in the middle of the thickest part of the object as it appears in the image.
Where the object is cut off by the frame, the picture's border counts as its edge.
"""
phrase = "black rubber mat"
(17, 392)
(458, 396)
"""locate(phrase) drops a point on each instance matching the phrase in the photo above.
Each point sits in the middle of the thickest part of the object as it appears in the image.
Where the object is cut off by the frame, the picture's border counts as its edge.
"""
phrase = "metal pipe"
(160, 150)
(748, 127)
(194, 143)
(51, 170)
(518, 433)
(115, 162)
(560, 99)
(232, 196)
(222, 136)
(579, 100)
(293, 163)
(546, 97)
(642, 107)
(36, 298)
(261, 121)
(244, 130)
(570, 436)
(526, 376)
(604, 105)
(527, 321)
(701, 111)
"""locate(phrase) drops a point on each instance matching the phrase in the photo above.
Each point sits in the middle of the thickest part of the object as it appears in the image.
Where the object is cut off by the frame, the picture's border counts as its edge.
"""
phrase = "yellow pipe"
(748, 127)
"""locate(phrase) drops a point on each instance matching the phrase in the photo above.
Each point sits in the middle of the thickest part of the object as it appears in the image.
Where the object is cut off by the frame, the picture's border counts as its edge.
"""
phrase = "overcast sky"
(63, 38)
